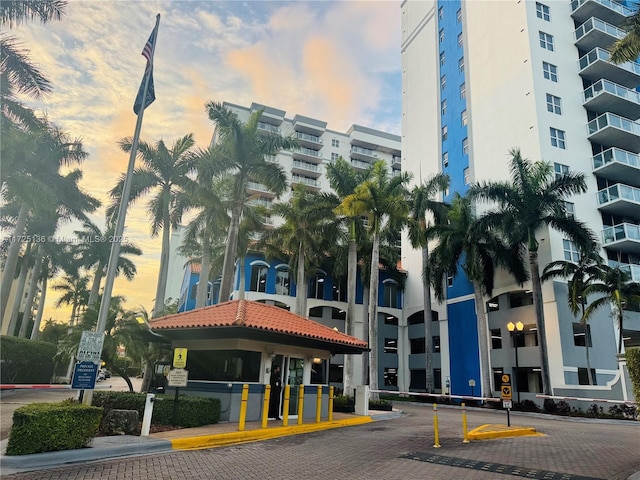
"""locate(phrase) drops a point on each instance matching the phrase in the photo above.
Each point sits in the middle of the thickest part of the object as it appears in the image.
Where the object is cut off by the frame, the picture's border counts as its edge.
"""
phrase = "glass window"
(554, 104)
(570, 209)
(559, 169)
(258, 278)
(391, 345)
(467, 176)
(335, 142)
(583, 377)
(520, 299)
(443, 107)
(437, 379)
(463, 91)
(557, 138)
(441, 35)
(441, 13)
(390, 377)
(449, 280)
(417, 345)
(550, 71)
(546, 41)
(443, 57)
(340, 289)
(582, 335)
(282, 281)
(497, 378)
(334, 157)
(461, 65)
(319, 371)
(460, 40)
(445, 133)
(465, 146)
(463, 118)
(390, 295)
(496, 338)
(316, 286)
(445, 159)
(418, 379)
(443, 82)
(436, 344)
(390, 320)
(543, 12)
(224, 365)
(571, 252)
(459, 16)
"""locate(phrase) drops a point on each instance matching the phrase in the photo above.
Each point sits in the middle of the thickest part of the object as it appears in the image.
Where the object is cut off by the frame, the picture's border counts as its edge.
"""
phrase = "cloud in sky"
(335, 61)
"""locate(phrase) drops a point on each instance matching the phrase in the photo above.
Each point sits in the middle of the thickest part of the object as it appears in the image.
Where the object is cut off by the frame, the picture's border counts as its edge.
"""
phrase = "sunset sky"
(335, 61)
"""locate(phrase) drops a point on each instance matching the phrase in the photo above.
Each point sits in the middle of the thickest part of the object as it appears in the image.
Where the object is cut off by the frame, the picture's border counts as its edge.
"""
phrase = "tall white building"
(481, 77)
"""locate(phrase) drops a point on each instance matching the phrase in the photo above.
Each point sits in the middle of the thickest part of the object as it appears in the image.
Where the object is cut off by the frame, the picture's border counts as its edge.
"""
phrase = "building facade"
(480, 78)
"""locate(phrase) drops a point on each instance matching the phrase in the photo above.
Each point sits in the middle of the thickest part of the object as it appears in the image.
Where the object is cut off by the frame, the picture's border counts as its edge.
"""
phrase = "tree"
(580, 275)
(627, 49)
(241, 151)
(616, 289)
(533, 199)
(384, 201)
(163, 174)
(75, 292)
(422, 205)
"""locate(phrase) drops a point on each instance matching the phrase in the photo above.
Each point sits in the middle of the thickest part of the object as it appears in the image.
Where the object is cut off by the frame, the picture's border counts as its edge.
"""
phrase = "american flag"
(150, 95)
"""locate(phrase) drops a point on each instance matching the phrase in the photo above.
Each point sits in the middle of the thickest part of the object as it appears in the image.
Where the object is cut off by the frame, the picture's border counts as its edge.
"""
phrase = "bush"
(343, 403)
(628, 412)
(527, 406)
(563, 408)
(50, 427)
(26, 361)
(549, 406)
(633, 365)
(380, 405)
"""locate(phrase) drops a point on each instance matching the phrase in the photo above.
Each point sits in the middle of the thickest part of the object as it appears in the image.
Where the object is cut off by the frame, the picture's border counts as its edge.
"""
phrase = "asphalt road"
(571, 449)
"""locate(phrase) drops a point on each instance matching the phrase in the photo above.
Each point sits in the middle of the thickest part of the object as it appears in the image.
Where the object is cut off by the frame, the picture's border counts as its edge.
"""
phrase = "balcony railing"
(312, 182)
(612, 120)
(309, 138)
(360, 164)
(615, 6)
(617, 192)
(605, 95)
(618, 165)
(626, 73)
(259, 202)
(364, 151)
(268, 127)
(613, 129)
(271, 159)
(632, 269)
(622, 231)
(312, 167)
(309, 151)
(258, 187)
(597, 24)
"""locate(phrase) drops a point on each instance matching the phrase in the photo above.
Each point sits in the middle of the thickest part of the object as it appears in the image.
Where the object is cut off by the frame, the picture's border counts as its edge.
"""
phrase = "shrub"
(344, 403)
(49, 427)
(26, 361)
(633, 365)
(380, 405)
(628, 412)
(527, 406)
(563, 408)
(549, 406)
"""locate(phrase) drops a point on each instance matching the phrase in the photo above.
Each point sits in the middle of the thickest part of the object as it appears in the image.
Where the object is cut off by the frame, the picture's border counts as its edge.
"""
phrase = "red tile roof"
(195, 267)
(255, 315)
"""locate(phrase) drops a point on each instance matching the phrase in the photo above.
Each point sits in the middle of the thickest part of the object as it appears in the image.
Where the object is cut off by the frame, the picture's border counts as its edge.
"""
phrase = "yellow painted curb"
(231, 438)
(489, 431)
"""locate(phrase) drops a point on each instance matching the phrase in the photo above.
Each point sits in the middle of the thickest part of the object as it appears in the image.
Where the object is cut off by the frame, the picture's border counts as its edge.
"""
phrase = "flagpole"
(122, 213)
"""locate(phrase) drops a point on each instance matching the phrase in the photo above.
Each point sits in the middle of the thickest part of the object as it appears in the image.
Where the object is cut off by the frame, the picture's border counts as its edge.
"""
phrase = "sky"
(334, 61)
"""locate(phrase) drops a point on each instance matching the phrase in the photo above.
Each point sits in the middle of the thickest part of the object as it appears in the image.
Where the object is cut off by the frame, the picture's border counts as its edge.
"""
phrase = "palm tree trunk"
(365, 329)
(428, 325)
(35, 332)
(587, 339)
(95, 286)
(243, 283)
(373, 317)
(203, 284)
(352, 269)
(231, 249)
(33, 287)
(17, 299)
(12, 258)
(301, 287)
(483, 343)
(158, 308)
(536, 288)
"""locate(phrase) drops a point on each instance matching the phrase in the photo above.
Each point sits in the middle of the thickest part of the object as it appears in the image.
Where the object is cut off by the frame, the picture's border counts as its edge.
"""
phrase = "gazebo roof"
(258, 321)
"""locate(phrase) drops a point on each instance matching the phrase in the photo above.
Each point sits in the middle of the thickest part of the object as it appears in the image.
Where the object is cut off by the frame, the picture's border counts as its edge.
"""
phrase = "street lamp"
(516, 329)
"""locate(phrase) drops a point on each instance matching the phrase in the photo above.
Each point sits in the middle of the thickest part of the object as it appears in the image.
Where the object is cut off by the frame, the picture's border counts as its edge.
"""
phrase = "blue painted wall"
(463, 348)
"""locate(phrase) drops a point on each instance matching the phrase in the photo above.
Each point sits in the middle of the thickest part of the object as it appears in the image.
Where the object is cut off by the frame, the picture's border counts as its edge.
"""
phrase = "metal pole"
(319, 404)
(265, 406)
(285, 406)
(330, 404)
(465, 433)
(175, 407)
(300, 403)
(436, 440)
(515, 384)
(243, 407)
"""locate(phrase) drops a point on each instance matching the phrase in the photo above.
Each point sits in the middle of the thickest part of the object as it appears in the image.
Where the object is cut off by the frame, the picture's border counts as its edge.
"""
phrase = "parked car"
(107, 373)
(101, 376)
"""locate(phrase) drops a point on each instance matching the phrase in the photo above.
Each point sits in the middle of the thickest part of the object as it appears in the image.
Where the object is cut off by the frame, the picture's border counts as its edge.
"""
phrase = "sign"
(180, 358)
(178, 377)
(84, 375)
(506, 387)
(472, 383)
(507, 404)
(90, 348)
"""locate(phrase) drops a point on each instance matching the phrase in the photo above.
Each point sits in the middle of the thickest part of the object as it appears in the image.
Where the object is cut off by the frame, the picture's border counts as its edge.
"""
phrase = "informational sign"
(180, 358)
(84, 375)
(472, 383)
(507, 404)
(506, 387)
(178, 377)
(90, 348)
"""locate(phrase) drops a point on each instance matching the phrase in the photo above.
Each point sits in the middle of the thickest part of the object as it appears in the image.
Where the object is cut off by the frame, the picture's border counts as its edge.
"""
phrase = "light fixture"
(317, 360)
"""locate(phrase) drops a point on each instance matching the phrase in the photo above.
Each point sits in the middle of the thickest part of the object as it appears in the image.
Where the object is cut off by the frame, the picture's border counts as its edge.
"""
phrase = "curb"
(489, 431)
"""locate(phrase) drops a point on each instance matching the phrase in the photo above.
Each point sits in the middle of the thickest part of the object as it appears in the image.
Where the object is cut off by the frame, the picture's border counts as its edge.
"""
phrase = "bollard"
(465, 433)
(319, 404)
(285, 406)
(243, 406)
(265, 405)
(330, 404)
(435, 427)
(300, 403)
(148, 413)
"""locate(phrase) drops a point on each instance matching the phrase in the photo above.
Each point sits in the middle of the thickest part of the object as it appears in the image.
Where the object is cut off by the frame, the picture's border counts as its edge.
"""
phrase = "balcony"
(271, 159)
(359, 164)
(260, 202)
(620, 199)
(632, 269)
(606, 96)
(624, 237)
(305, 168)
(595, 65)
(310, 182)
(267, 127)
(615, 131)
(258, 188)
(618, 165)
(363, 153)
(597, 33)
(608, 10)
(308, 139)
(307, 154)
(396, 162)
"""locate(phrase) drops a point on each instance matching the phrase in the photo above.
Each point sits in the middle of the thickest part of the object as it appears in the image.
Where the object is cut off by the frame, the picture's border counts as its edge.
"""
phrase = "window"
(435, 342)
(460, 40)
(459, 16)
(316, 286)
(319, 372)
(443, 82)
(445, 133)
(582, 335)
(497, 378)
(445, 159)
(557, 138)
(465, 146)
(391, 345)
(449, 280)
(441, 13)
(560, 169)
(334, 157)
(463, 91)
(583, 377)
(496, 338)
(224, 365)
(463, 118)
(570, 250)
(542, 11)
(437, 379)
(443, 107)
(335, 142)
(192, 293)
(443, 58)
(520, 299)
(546, 41)
(417, 345)
(258, 278)
(282, 281)
(467, 176)
(493, 305)
(550, 71)
(570, 209)
(390, 377)
(390, 320)
(461, 65)
(434, 316)
(553, 104)
(390, 295)
(340, 289)
(418, 379)
(441, 35)
(416, 318)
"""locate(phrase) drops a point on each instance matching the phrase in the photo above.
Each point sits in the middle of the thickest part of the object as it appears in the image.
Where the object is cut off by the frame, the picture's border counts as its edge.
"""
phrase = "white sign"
(90, 348)
(472, 383)
(178, 377)
(507, 404)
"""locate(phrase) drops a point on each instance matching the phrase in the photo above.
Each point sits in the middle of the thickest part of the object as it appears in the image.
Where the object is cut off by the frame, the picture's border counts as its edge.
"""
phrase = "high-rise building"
(479, 78)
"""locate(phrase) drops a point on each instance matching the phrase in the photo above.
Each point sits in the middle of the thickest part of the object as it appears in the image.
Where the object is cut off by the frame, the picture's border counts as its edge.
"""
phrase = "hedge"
(50, 427)
(633, 365)
(26, 361)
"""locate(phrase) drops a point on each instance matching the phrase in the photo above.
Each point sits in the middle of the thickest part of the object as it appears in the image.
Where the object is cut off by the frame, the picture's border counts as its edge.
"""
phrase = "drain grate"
(494, 467)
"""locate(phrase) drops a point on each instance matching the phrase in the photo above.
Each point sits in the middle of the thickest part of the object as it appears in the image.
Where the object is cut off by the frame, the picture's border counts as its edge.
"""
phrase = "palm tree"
(627, 49)
(616, 289)
(384, 202)
(423, 204)
(163, 173)
(581, 275)
(75, 292)
(534, 199)
(241, 151)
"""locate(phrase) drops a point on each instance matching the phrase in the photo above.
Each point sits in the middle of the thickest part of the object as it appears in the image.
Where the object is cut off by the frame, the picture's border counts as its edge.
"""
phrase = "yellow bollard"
(300, 403)
(285, 406)
(265, 406)
(330, 404)
(464, 424)
(243, 406)
(435, 427)
(319, 404)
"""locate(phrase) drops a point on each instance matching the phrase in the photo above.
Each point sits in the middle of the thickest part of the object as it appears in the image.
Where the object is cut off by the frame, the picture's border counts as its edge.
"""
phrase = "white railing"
(306, 166)
(307, 181)
(622, 231)
(618, 192)
(601, 54)
(308, 138)
(597, 24)
(616, 155)
(364, 151)
(268, 127)
(613, 120)
(615, 6)
(608, 86)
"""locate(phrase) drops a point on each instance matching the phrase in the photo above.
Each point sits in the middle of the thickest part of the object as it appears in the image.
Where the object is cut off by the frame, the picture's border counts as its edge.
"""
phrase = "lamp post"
(516, 329)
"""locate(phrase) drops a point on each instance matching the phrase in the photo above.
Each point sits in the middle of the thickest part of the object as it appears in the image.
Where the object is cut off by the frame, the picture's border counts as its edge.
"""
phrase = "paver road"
(576, 448)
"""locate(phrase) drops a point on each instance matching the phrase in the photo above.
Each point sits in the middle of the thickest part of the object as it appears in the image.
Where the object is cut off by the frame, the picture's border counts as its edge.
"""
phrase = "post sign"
(84, 375)
(178, 377)
(507, 404)
(506, 387)
(90, 348)
(180, 358)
